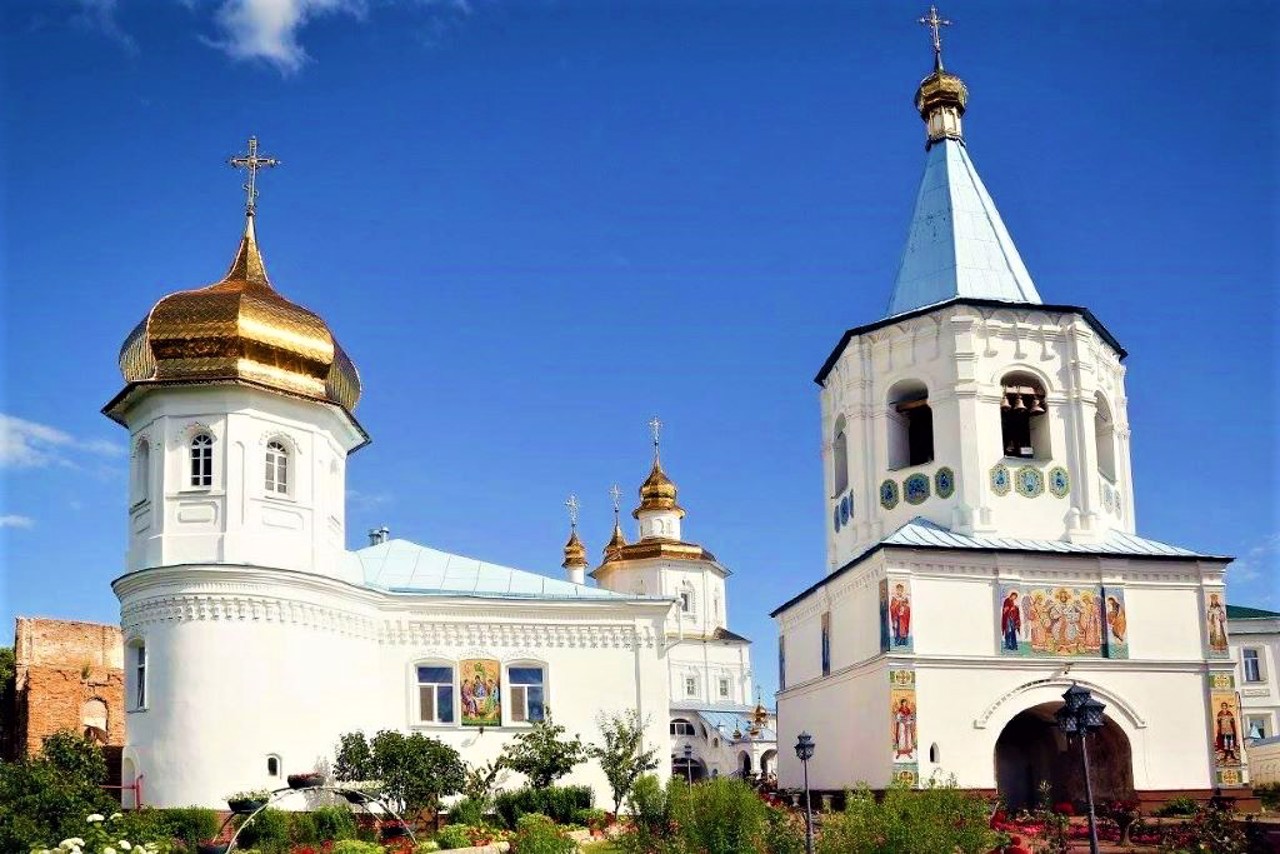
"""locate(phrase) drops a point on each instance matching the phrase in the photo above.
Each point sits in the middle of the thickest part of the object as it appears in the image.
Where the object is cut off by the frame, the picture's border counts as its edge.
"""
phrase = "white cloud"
(100, 16)
(13, 521)
(26, 444)
(268, 29)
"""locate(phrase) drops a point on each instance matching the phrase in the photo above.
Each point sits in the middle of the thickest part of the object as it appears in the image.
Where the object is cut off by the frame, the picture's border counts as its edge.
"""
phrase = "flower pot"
(245, 806)
(212, 848)
(305, 781)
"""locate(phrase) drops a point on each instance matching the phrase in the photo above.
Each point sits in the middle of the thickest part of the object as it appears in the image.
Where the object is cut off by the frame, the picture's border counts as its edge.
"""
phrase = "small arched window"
(910, 423)
(138, 673)
(839, 459)
(680, 726)
(141, 471)
(935, 755)
(273, 765)
(277, 472)
(687, 601)
(1105, 437)
(1024, 429)
(202, 460)
(826, 643)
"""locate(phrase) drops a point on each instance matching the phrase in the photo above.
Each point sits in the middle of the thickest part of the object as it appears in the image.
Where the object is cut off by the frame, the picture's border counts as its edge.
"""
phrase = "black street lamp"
(1080, 716)
(804, 752)
(688, 765)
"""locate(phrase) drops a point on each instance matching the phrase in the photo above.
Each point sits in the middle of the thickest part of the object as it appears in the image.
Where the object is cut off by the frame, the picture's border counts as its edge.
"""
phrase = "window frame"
(418, 684)
(690, 686)
(137, 687)
(512, 689)
(840, 457)
(141, 480)
(200, 468)
(1038, 433)
(1259, 674)
(908, 418)
(724, 685)
(1264, 719)
(277, 481)
(677, 725)
(826, 643)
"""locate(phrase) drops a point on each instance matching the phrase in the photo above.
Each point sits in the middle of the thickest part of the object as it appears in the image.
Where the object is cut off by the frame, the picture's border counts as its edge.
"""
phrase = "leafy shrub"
(1212, 828)
(543, 752)
(268, 832)
(592, 819)
(303, 829)
(190, 825)
(334, 823)
(1178, 806)
(559, 803)
(355, 846)
(145, 825)
(467, 811)
(719, 816)
(784, 832)
(537, 834)
(46, 797)
(648, 804)
(939, 817)
(452, 836)
(428, 847)
(1269, 794)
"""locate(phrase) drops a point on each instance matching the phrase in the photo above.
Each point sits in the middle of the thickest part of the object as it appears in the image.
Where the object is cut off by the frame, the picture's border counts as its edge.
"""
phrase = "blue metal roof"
(726, 718)
(921, 533)
(957, 245)
(400, 566)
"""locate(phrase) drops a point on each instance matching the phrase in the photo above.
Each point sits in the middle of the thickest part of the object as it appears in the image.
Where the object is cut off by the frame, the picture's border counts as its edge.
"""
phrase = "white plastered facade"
(263, 640)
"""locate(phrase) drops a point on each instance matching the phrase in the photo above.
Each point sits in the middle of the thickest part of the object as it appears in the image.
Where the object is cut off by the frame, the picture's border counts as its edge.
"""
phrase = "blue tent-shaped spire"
(958, 245)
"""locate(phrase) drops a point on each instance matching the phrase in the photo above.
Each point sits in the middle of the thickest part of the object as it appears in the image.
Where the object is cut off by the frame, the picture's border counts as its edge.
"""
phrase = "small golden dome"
(240, 329)
(657, 492)
(613, 548)
(941, 89)
(575, 553)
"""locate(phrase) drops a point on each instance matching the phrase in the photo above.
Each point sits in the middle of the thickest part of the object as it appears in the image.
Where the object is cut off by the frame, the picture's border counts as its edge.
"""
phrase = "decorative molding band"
(1060, 681)
(421, 633)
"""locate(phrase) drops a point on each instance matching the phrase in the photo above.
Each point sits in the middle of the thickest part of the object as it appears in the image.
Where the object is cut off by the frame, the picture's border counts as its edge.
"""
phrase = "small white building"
(715, 730)
(981, 541)
(253, 638)
(1255, 648)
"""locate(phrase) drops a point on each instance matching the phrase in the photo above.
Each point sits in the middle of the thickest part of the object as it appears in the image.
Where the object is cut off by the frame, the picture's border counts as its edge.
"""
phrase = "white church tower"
(981, 545)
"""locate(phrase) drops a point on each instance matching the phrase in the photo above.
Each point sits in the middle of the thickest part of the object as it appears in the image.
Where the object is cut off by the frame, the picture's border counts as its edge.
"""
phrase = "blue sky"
(536, 224)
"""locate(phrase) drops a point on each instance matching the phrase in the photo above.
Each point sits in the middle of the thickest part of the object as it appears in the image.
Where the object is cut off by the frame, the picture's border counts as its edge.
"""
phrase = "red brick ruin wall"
(60, 666)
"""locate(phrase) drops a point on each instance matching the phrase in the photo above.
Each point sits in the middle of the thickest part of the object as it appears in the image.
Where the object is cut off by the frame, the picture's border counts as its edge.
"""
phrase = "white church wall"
(706, 663)
(1160, 619)
(252, 663)
(847, 716)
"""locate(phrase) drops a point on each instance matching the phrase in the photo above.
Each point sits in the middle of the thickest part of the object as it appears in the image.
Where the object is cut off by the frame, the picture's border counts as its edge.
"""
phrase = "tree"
(483, 779)
(623, 756)
(45, 798)
(416, 771)
(543, 754)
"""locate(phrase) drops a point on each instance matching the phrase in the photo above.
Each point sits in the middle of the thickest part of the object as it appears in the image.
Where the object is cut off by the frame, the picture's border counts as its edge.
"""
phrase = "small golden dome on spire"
(942, 96)
(941, 89)
(613, 549)
(575, 553)
(657, 492)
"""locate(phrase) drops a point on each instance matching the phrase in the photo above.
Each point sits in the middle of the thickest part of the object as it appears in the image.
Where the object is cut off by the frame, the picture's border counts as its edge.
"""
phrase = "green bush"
(559, 803)
(302, 829)
(354, 846)
(720, 816)
(190, 825)
(428, 847)
(46, 797)
(784, 832)
(1178, 806)
(453, 836)
(1269, 794)
(467, 811)
(145, 825)
(592, 819)
(334, 823)
(268, 832)
(939, 817)
(648, 805)
(537, 834)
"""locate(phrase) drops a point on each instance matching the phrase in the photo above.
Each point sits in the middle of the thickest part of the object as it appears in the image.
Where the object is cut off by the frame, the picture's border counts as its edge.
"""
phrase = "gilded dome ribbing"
(240, 329)
(941, 89)
(657, 492)
(575, 553)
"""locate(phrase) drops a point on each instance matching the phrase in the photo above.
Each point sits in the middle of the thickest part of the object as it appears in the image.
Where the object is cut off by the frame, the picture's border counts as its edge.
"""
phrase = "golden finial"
(251, 163)
(935, 23)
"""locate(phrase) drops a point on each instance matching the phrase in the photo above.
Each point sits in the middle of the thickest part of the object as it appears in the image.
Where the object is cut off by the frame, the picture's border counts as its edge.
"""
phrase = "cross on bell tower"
(252, 162)
(935, 23)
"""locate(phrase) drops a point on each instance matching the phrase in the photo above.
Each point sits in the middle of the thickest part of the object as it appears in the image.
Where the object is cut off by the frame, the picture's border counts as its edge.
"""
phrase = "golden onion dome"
(575, 553)
(941, 89)
(657, 492)
(240, 330)
(613, 548)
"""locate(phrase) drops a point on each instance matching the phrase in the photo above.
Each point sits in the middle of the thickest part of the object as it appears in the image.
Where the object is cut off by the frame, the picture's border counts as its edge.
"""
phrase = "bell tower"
(972, 403)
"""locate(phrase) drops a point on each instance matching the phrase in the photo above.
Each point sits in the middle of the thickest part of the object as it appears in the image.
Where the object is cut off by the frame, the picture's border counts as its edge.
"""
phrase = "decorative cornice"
(1063, 682)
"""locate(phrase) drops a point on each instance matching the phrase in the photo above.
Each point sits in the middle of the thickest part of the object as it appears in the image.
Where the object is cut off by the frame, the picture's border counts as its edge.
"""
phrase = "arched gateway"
(1031, 750)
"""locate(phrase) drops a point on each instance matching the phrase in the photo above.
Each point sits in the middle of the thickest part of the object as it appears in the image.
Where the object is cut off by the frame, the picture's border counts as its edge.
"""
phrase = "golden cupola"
(618, 542)
(942, 96)
(658, 492)
(239, 330)
(575, 553)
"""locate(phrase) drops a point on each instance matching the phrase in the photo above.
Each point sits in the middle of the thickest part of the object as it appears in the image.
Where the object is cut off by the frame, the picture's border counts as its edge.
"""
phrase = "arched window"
(1105, 437)
(680, 726)
(687, 600)
(202, 460)
(744, 760)
(141, 471)
(826, 643)
(277, 479)
(910, 423)
(94, 720)
(935, 755)
(1024, 429)
(273, 765)
(527, 692)
(435, 693)
(839, 459)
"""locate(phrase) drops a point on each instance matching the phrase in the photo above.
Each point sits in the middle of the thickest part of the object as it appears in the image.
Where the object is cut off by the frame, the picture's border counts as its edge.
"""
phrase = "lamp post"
(688, 765)
(804, 752)
(1081, 715)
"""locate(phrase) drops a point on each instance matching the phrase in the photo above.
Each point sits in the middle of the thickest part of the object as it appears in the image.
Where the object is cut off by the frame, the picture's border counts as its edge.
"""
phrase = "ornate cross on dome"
(616, 495)
(573, 505)
(655, 427)
(252, 162)
(935, 25)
